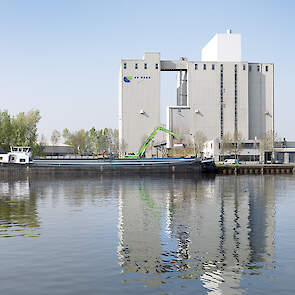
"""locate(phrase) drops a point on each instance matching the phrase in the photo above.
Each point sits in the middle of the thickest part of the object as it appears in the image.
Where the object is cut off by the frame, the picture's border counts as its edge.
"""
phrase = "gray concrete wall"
(204, 101)
(139, 100)
(261, 106)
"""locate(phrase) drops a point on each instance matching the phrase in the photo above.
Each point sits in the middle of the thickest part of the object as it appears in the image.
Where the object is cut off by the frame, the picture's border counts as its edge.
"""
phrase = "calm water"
(223, 235)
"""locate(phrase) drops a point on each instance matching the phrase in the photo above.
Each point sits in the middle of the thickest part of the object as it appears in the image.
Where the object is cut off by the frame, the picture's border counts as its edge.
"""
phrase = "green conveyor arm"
(149, 139)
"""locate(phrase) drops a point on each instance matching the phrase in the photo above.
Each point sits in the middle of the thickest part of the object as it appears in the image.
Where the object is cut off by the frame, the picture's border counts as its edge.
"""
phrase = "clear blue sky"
(62, 57)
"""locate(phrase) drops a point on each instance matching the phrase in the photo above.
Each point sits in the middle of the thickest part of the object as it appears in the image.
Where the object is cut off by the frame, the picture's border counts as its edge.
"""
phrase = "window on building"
(136, 66)
(145, 66)
(157, 66)
(124, 66)
(250, 68)
(196, 66)
(258, 68)
(213, 67)
(244, 67)
(204, 67)
(266, 68)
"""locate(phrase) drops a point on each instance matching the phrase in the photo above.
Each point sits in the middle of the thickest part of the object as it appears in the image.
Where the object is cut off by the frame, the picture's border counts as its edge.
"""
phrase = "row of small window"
(204, 67)
(145, 66)
(244, 67)
(259, 68)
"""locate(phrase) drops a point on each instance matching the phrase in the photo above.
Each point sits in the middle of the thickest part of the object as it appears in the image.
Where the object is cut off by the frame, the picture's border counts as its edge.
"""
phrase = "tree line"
(89, 142)
(20, 130)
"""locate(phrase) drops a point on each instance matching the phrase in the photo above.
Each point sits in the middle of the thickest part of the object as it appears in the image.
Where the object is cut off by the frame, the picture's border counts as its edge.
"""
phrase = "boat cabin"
(17, 155)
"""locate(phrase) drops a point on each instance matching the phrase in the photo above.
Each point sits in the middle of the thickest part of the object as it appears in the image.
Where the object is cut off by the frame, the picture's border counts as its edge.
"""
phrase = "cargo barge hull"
(111, 166)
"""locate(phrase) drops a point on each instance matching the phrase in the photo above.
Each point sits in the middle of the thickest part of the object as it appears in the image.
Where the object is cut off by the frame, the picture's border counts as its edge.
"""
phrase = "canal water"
(149, 235)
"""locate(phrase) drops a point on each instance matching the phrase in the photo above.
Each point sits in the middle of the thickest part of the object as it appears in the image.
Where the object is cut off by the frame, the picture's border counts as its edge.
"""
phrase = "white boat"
(17, 155)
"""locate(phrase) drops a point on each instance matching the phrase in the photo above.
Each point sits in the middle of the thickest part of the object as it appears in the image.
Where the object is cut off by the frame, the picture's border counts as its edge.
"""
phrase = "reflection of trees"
(18, 213)
(75, 191)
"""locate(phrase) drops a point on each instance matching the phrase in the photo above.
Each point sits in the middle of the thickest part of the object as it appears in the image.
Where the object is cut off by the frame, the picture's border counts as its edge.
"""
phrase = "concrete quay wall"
(256, 169)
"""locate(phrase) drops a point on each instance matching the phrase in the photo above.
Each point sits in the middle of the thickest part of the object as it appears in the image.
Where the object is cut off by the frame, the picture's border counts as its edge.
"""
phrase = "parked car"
(230, 161)
(274, 162)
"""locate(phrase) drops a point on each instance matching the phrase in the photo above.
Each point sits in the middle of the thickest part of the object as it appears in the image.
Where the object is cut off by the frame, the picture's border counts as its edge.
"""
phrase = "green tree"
(105, 139)
(79, 140)
(19, 130)
(93, 141)
(115, 142)
(6, 130)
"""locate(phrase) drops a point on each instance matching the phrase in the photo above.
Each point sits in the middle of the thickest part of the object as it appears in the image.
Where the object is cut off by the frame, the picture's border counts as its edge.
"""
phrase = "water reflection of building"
(228, 229)
(18, 214)
(139, 228)
(220, 228)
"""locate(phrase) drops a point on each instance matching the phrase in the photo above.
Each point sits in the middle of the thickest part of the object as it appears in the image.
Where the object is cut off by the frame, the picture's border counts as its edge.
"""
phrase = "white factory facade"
(221, 94)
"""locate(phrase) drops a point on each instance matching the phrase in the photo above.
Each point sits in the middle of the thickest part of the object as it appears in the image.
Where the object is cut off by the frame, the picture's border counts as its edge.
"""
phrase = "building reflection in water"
(18, 209)
(214, 230)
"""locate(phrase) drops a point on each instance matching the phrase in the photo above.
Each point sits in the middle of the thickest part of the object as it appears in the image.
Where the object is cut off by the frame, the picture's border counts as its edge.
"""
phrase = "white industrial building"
(221, 94)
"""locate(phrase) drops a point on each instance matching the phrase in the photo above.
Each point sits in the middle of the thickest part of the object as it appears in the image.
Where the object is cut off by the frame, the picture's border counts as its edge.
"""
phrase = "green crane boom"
(148, 141)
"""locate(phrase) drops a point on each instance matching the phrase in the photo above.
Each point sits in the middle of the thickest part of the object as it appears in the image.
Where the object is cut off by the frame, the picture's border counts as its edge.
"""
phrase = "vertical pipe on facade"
(236, 99)
(221, 101)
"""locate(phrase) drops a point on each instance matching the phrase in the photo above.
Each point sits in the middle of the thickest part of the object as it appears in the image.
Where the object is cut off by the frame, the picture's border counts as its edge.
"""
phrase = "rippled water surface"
(94, 235)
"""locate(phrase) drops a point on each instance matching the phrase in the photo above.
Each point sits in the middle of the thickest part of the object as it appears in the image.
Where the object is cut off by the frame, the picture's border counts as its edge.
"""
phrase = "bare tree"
(55, 136)
(123, 147)
(237, 144)
(115, 142)
(266, 143)
(226, 145)
(43, 140)
(231, 144)
(199, 139)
